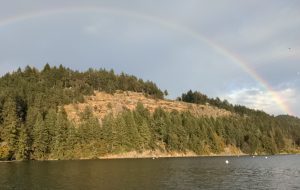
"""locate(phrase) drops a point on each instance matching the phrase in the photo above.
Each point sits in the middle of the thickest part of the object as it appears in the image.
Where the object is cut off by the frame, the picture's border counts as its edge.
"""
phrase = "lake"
(275, 172)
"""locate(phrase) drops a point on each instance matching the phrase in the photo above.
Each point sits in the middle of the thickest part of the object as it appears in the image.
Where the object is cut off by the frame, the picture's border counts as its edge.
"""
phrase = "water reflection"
(277, 172)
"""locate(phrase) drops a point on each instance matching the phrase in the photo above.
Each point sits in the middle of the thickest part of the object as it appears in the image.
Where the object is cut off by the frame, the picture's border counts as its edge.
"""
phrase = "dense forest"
(34, 124)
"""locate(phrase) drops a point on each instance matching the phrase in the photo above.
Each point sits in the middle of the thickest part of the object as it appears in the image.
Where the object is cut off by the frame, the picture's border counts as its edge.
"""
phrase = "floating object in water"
(227, 162)
(253, 156)
(266, 157)
(153, 158)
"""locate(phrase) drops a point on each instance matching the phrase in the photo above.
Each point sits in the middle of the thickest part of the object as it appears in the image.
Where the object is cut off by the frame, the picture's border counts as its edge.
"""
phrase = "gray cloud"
(262, 33)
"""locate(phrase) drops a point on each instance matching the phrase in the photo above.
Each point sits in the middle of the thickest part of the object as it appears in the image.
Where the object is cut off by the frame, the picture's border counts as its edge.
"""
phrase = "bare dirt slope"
(103, 103)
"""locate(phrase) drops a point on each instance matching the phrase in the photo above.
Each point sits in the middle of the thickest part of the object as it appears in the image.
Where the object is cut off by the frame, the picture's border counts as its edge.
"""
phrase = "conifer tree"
(50, 125)
(71, 143)
(61, 134)
(141, 118)
(131, 130)
(109, 133)
(23, 146)
(89, 128)
(41, 139)
(10, 127)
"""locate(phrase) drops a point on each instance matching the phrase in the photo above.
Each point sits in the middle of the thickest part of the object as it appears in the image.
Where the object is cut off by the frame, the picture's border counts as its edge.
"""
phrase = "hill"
(102, 103)
(59, 113)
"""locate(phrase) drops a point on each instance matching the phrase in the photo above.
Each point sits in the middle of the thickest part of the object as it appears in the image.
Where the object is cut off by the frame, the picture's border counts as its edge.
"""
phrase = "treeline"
(53, 136)
(199, 98)
(60, 85)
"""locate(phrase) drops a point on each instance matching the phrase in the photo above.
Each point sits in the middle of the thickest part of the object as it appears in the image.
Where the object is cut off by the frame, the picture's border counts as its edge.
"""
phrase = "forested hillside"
(35, 125)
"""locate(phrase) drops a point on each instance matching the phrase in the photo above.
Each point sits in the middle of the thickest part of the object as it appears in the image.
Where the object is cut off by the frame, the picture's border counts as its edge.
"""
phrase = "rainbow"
(167, 24)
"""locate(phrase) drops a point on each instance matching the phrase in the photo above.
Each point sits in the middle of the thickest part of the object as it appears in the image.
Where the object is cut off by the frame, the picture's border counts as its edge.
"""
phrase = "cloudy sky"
(245, 51)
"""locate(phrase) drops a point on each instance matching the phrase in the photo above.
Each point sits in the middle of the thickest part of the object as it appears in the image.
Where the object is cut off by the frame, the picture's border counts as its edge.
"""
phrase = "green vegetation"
(34, 125)
(199, 98)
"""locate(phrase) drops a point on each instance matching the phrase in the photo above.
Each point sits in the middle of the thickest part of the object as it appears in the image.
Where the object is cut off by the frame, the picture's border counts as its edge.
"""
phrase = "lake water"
(276, 172)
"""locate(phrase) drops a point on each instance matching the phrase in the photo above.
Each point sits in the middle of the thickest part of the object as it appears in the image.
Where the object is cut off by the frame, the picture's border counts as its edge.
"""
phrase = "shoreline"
(158, 154)
(188, 156)
(119, 157)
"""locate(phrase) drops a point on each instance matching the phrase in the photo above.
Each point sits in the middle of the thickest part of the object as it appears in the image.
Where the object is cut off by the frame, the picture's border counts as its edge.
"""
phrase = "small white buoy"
(227, 162)
(253, 156)
(266, 157)
(153, 158)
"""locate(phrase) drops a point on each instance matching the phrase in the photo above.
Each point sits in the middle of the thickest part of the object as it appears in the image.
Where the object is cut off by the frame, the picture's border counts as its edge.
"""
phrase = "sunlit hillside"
(103, 103)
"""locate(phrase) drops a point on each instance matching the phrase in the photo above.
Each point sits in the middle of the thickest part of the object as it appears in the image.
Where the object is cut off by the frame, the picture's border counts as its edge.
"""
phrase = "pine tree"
(141, 118)
(50, 124)
(61, 134)
(109, 133)
(23, 147)
(89, 127)
(10, 127)
(71, 143)
(40, 139)
(131, 131)
(31, 116)
(119, 134)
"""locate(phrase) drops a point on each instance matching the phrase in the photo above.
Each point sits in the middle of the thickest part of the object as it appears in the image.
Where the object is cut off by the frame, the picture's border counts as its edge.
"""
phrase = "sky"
(247, 52)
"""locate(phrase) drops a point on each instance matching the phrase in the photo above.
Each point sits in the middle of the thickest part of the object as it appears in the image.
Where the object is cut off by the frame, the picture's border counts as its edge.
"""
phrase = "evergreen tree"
(41, 139)
(90, 127)
(23, 146)
(51, 127)
(109, 133)
(131, 130)
(10, 127)
(61, 134)
(141, 118)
